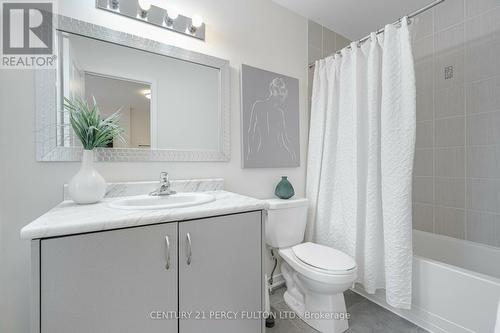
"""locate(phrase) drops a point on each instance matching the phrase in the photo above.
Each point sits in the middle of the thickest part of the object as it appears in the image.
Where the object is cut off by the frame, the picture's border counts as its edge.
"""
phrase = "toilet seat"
(317, 274)
(323, 257)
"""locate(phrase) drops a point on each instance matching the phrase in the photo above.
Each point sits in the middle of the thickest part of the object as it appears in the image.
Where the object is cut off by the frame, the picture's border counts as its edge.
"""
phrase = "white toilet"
(315, 275)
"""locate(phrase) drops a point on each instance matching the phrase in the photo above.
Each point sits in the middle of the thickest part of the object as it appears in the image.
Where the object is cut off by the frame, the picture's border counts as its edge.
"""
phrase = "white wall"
(255, 32)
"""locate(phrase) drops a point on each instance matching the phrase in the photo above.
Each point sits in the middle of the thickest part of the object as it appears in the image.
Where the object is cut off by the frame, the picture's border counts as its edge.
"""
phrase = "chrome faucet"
(164, 188)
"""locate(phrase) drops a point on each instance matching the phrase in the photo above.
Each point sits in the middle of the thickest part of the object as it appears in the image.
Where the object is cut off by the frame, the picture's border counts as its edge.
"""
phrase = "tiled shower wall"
(457, 161)
(322, 42)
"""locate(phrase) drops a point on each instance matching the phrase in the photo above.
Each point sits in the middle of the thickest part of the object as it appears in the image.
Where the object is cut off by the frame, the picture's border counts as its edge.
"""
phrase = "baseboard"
(418, 316)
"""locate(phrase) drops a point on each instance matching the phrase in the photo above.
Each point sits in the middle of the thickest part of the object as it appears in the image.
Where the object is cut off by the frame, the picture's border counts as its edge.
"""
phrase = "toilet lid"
(323, 257)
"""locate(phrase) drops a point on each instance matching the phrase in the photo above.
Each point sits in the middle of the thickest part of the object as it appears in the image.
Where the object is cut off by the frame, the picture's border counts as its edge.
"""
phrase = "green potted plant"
(88, 186)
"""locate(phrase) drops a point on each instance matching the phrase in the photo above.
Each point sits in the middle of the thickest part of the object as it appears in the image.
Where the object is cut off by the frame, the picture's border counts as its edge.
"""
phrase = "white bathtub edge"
(458, 253)
(417, 316)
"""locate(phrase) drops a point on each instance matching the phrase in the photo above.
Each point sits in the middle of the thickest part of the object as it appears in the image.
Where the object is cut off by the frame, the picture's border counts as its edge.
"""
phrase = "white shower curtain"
(360, 161)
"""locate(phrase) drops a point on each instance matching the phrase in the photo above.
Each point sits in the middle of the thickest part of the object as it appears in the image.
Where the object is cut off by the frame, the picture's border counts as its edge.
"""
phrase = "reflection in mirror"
(133, 101)
(165, 103)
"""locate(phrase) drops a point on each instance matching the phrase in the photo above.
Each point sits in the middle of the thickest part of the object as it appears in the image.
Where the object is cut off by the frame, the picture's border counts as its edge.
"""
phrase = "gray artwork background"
(255, 84)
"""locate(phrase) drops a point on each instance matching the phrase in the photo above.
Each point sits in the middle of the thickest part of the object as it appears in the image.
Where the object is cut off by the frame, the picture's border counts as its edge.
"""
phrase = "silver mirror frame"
(47, 149)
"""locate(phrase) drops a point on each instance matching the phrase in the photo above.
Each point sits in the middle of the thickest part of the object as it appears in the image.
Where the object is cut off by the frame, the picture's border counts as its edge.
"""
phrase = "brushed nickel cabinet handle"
(167, 244)
(188, 248)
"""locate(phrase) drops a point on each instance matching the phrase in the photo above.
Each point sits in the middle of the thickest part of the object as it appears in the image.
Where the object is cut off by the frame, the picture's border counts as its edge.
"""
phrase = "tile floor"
(366, 317)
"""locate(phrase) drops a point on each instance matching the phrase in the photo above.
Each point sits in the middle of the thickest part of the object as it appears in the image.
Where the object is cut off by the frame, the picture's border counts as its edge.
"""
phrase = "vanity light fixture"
(147, 93)
(196, 23)
(148, 11)
(172, 15)
(144, 7)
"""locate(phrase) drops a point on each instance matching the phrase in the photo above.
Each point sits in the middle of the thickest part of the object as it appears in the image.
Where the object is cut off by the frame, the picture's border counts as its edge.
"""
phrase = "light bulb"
(172, 14)
(197, 21)
(145, 5)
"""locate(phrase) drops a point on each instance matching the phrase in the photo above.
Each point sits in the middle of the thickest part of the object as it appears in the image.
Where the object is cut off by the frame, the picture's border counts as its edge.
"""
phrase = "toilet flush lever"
(188, 248)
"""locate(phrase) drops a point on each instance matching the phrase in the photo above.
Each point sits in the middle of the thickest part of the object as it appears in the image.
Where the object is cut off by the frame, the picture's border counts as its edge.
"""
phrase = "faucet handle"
(164, 177)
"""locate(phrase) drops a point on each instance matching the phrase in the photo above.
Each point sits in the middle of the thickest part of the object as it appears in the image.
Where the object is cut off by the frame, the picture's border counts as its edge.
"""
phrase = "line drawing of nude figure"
(268, 124)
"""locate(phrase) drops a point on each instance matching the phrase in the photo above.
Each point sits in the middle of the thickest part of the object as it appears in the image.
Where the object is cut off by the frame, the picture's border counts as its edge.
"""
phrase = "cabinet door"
(110, 282)
(224, 273)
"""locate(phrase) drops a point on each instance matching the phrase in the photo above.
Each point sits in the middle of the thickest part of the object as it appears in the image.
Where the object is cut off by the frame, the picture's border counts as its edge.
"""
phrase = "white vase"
(87, 186)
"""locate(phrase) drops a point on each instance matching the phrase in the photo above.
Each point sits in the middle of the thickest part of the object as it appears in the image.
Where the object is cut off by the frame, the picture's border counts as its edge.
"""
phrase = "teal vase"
(284, 190)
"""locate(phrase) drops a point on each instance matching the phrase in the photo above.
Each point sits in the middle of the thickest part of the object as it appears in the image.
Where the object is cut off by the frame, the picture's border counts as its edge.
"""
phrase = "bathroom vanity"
(194, 269)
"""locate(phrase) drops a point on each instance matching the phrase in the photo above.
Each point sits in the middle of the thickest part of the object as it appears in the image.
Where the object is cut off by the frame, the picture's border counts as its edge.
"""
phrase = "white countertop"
(69, 218)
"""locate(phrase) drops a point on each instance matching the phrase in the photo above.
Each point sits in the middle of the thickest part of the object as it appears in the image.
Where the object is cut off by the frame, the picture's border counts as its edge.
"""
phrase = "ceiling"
(353, 19)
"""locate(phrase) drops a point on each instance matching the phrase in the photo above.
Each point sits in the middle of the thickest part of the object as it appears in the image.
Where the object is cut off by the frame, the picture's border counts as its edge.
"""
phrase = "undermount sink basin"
(147, 202)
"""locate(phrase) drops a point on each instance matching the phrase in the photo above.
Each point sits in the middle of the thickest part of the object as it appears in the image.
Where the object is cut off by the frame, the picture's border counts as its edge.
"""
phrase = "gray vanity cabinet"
(220, 270)
(138, 279)
(109, 281)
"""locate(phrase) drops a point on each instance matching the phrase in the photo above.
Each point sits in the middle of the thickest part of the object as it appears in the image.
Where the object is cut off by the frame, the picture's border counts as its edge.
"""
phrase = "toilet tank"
(286, 222)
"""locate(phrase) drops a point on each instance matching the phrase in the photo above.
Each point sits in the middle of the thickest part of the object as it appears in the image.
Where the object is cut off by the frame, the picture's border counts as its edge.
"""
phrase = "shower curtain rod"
(412, 15)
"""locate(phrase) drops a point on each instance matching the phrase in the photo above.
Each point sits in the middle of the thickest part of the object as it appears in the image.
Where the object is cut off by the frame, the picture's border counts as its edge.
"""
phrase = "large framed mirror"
(173, 103)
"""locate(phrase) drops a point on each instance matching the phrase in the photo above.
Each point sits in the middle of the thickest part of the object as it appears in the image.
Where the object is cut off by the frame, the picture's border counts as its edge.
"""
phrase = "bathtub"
(456, 285)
